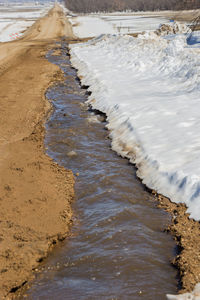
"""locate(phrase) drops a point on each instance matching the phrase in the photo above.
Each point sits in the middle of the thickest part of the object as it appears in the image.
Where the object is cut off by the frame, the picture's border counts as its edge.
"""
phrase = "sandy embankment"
(35, 193)
(186, 232)
(184, 16)
(177, 15)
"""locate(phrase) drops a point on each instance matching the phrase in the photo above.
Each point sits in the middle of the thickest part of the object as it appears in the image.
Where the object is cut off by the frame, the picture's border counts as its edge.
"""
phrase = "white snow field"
(128, 23)
(90, 26)
(15, 19)
(96, 24)
(149, 88)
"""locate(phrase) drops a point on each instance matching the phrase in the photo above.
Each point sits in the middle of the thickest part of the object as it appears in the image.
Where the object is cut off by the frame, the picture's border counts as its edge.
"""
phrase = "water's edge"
(74, 268)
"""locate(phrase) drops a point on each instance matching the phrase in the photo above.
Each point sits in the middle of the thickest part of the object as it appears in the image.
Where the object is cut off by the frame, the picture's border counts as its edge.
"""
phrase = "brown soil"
(186, 232)
(35, 193)
(179, 15)
(185, 16)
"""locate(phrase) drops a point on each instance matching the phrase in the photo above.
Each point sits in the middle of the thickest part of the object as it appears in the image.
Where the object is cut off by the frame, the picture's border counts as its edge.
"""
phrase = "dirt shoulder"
(35, 193)
(187, 16)
(186, 232)
(177, 15)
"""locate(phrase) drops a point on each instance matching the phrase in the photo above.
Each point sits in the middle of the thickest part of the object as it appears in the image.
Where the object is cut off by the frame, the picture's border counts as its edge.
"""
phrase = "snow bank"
(149, 87)
(12, 30)
(194, 295)
(15, 20)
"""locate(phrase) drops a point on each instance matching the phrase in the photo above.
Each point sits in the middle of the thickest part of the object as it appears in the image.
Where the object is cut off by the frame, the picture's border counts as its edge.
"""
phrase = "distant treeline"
(87, 6)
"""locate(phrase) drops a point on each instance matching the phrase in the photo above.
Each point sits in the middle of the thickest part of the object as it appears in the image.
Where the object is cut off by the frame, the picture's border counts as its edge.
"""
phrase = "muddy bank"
(117, 247)
(186, 232)
(35, 193)
(185, 16)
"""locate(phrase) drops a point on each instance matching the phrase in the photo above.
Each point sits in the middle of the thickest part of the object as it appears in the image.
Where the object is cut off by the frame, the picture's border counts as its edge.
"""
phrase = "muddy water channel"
(117, 249)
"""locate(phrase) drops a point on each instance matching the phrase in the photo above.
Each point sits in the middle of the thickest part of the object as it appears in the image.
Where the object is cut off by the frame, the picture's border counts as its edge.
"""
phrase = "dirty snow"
(149, 87)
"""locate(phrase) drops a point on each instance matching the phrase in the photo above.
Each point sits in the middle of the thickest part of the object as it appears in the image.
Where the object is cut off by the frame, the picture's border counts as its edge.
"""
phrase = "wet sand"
(186, 232)
(35, 193)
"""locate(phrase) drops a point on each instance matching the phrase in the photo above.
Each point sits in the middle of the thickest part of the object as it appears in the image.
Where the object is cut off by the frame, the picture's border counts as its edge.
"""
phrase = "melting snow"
(149, 87)
(194, 295)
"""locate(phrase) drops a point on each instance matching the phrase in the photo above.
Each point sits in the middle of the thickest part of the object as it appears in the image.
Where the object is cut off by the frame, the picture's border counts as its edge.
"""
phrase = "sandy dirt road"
(35, 193)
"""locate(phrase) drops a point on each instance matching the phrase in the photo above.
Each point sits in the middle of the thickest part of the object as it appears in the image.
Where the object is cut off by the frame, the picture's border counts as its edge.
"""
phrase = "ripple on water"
(117, 249)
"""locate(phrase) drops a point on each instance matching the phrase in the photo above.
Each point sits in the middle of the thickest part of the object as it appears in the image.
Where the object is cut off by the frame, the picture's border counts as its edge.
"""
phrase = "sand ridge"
(35, 193)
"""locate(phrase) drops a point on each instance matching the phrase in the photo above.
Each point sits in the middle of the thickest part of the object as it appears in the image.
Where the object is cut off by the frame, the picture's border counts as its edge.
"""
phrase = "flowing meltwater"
(117, 249)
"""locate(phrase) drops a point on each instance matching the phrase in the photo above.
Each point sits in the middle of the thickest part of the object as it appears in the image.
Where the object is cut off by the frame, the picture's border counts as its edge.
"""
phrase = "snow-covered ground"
(94, 25)
(90, 26)
(127, 23)
(149, 87)
(15, 19)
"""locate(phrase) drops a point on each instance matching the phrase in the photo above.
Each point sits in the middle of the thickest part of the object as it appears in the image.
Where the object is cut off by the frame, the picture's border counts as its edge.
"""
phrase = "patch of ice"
(72, 154)
(93, 119)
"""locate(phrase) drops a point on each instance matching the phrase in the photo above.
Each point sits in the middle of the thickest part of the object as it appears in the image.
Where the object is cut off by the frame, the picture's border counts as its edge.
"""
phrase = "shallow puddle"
(118, 249)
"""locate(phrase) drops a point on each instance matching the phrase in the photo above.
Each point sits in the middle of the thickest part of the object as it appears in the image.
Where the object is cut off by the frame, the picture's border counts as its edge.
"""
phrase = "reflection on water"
(117, 249)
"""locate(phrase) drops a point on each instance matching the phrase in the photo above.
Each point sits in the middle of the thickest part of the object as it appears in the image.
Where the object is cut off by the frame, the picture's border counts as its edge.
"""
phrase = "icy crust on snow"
(149, 88)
